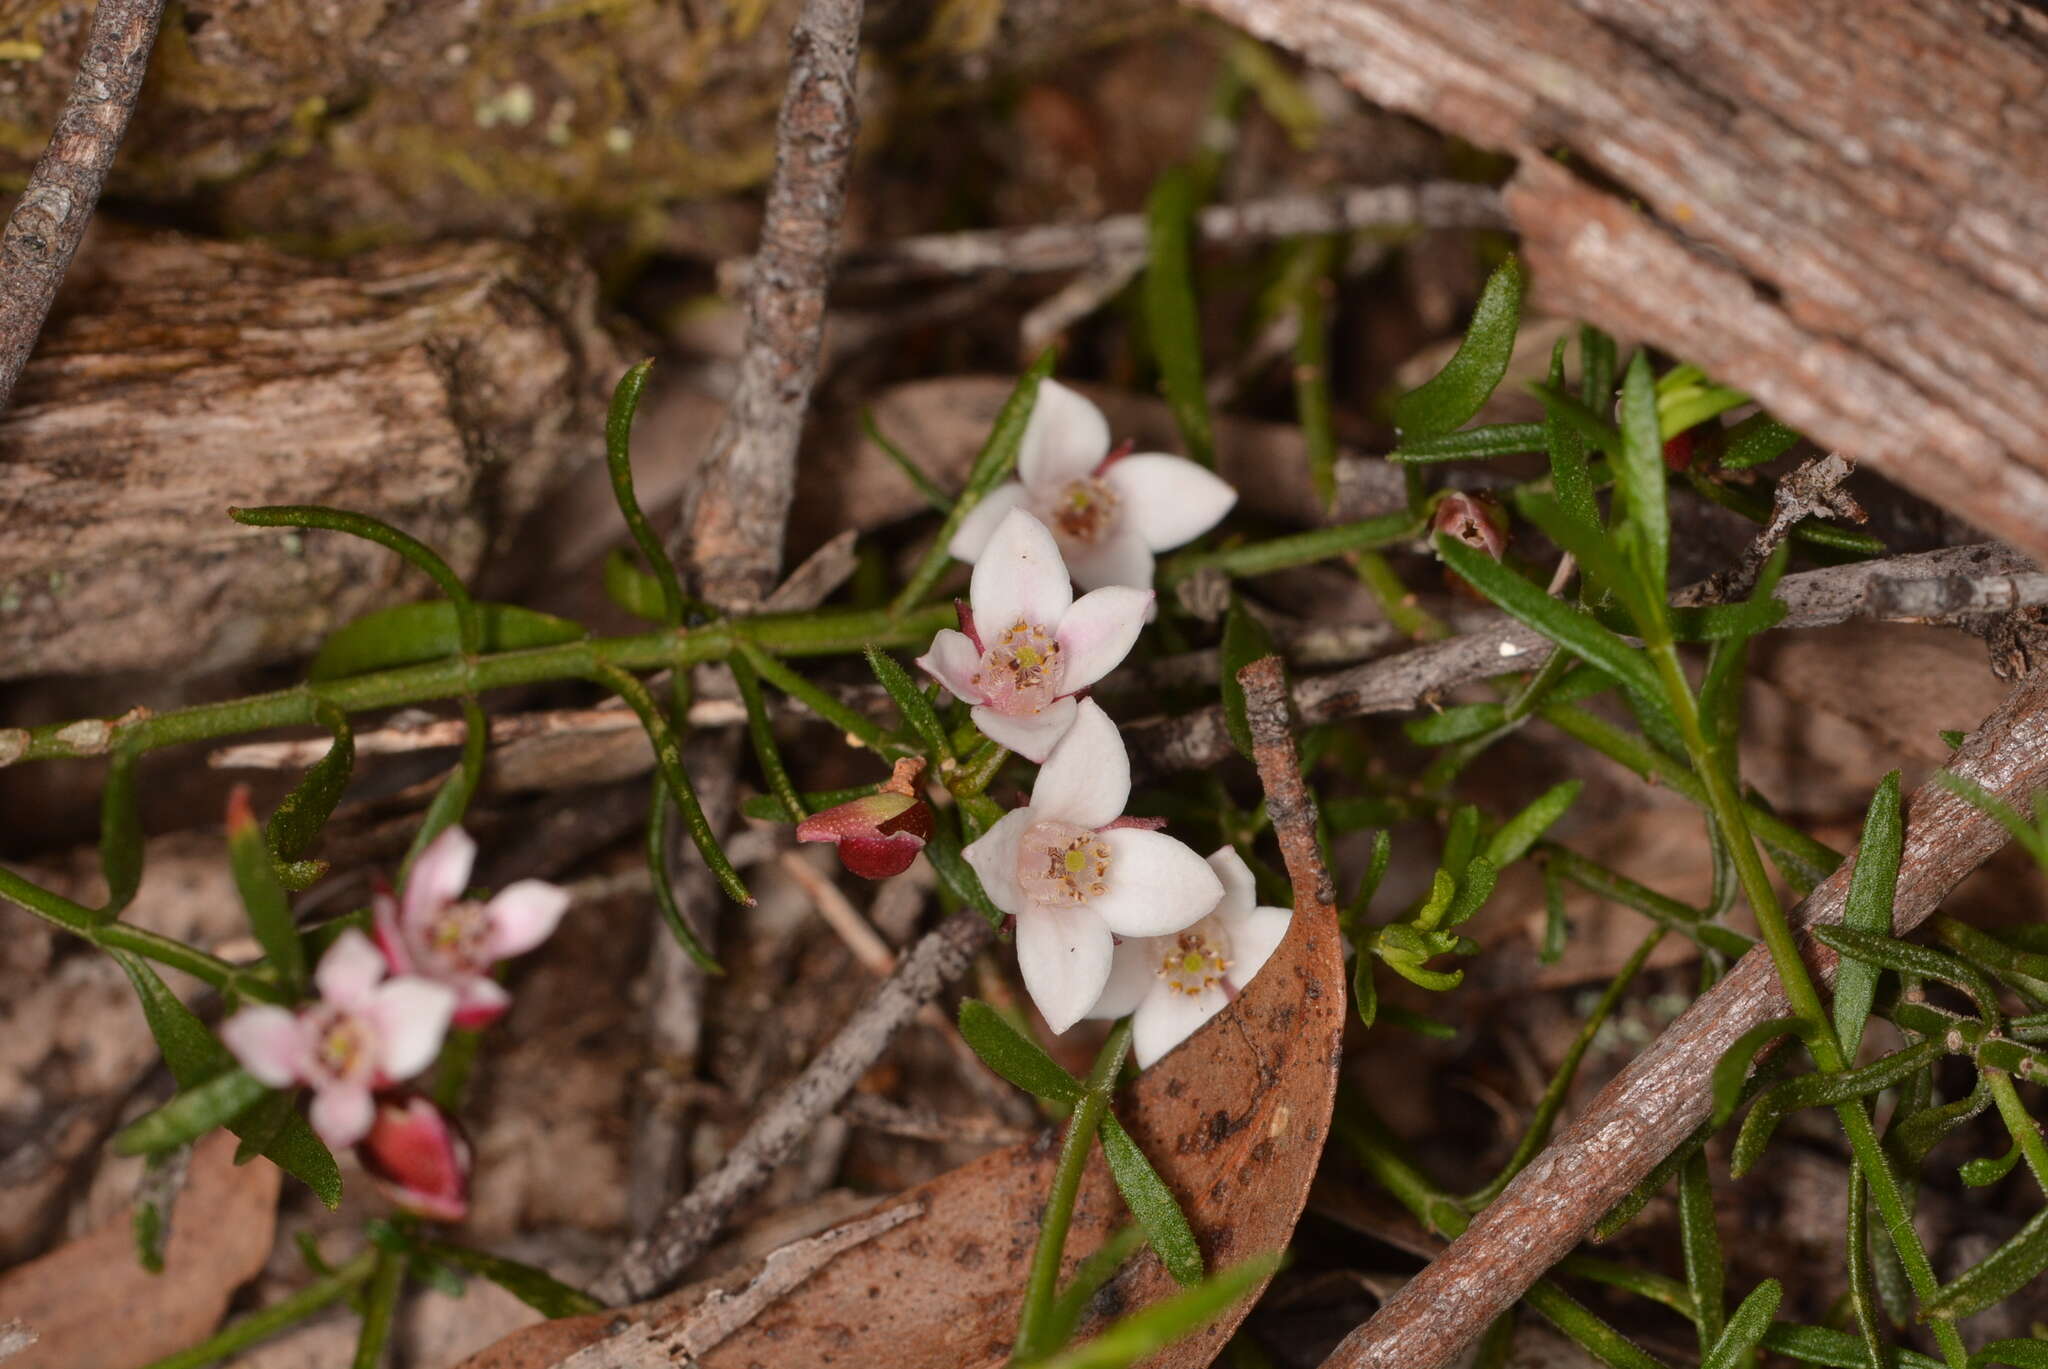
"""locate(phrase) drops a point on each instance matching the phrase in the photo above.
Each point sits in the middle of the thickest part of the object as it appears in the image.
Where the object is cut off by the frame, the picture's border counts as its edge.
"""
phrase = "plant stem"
(1042, 1287)
(262, 1325)
(380, 1303)
(2025, 1131)
(1397, 601)
(1280, 553)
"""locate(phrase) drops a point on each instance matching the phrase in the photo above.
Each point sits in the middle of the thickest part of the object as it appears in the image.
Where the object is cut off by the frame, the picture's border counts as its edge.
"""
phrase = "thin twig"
(1665, 1092)
(740, 513)
(643, 1345)
(654, 1261)
(1947, 597)
(44, 231)
(876, 1113)
(1812, 490)
(1288, 802)
(1120, 238)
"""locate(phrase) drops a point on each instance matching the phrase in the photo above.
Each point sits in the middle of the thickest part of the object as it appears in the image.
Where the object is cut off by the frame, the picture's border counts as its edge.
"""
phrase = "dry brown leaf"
(1234, 1120)
(96, 1307)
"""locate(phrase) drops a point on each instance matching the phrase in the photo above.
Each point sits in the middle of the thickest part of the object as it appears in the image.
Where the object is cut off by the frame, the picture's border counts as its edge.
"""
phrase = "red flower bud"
(881, 834)
(1473, 519)
(1678, 451)
(417, 1158)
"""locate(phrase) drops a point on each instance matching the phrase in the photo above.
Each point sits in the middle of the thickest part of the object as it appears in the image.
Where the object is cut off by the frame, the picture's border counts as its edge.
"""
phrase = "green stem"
(380, 1303)
(2025, 1131)
(1042, 1287)
(854, 724)
(1397, 601)
(1301, 549)
(468, 626)
(261, 1326)
(762, 732)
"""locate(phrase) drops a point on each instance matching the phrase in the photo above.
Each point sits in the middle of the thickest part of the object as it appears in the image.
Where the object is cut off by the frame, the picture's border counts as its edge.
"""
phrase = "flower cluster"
(1112, 915)
(382, 1011)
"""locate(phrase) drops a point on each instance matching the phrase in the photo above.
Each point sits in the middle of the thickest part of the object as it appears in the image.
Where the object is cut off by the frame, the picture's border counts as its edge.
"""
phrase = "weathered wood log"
(1837, 207)
(443, 389)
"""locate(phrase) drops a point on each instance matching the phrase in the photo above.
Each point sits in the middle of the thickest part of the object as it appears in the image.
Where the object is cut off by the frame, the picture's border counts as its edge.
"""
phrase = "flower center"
(1021, 670)
(1196, 960)
(343, 1048)
(455, 938)
(1062, 864)
(1083, 511)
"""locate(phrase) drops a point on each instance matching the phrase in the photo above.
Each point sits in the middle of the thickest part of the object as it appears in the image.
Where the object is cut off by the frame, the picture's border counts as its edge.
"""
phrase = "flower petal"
(1120, 558)
(268, 1042)
(1240, 890)
(342, 1114)
(523, 915)
(479, 1001)
(1133, 971)
(1168, 499)
(1087, 778)
(439, 876)
(1031, 736)
(1164, 1020)
(1156, 884)
(1020, 578)
(994, 857)
(952, 661)
(1253, 939)
(349, 973)
(389, 936)
(1098, 632)
(1066, 438)
(410, 1016)
(1064, 954)
(979, 523)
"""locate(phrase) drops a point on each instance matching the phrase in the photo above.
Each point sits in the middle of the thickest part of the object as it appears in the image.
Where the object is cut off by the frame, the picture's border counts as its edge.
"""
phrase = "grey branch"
(1944, 597)
(738, 517)
(1665, 1092)
(1117, 243)
(44, 231)
(655, 1260)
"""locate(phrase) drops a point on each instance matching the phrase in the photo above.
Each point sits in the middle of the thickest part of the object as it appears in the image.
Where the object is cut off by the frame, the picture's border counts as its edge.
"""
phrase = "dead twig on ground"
(1665, 1092)
(1935, 599)
(876, 1113)
(49, 221)
(1812, 490)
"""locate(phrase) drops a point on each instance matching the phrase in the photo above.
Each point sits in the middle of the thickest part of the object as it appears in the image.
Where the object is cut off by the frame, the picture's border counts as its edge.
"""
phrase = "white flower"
(431, 931)
(1172, 984)
(1029, 645)
(363, 1033)
(1110, 514)
(1071, 878)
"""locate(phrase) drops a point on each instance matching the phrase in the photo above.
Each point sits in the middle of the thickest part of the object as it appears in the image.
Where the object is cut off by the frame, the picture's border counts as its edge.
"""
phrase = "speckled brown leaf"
(96, 1307)
(1234, 1120)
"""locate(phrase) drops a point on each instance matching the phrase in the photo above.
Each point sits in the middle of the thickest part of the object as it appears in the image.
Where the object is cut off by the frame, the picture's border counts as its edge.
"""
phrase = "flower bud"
(417, 1158)
(1474, 519)
(1678, 451)
(881, 834)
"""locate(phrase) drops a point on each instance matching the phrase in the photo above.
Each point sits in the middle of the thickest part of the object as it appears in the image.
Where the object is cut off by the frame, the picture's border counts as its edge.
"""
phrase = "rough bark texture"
(153, 403)
(1667, 1091)
(1835, 206)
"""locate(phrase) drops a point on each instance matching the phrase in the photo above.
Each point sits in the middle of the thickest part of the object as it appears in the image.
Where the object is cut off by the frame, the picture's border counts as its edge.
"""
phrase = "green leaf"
(660, 803)
(1639, 477)
(1472, 444)
(761, 731)
(191, 1114)
(1576, 632)
(1571, 475)
(1172, 323)
(1454, 724)
(1986, 1170)
(451, 800)
(1755, 440)
(1245, 640)
(2001, 1274)
(1087, 1280)
(1515, 836)
(1152, 1203)
(1312, 366)
(1839, 1349)
(120, 835)
(1731, 1071)
(1562, 409)
(1408, 1020)
(632, 588)
(768, 808)
(263, 898)
(912, 472)
(1596, 367)
(1365, 995)
(1678, 410)
(1746, 1327)
(1823, 1090)
(1556, 926)
(462, 609)
(2021, 1353)
(1155, 1327)
(1868, 908)
(537, 1288)
(296, 824)
(942, 849)
(1475, 886)
(618, 431)
(412, 634)
(1012, 1055)
(911, 702)
(1453, 395)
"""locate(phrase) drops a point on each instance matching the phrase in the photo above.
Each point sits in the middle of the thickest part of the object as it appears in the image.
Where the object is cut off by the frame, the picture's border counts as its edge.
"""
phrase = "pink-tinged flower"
(1474, 519)
(1170, 985)
(879, 835)
(1109, 512)
(432, 931)
(1029, 645)
(365, 1032)
(1074, 877)
(417, 1158)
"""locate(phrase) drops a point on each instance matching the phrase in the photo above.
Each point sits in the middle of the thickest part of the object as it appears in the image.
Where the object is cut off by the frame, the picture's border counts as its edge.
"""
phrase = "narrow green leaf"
(1679, 410)
(2021, 1353)
(660, 804)
(1365, 994)
(911, 702)
(469, 631)
(296, 824)
(1100, 1266)
(1475, 886)
(1823, 1090)
(1312, 368)
(618, 446)
(1162, 1323)
(1596, 368)
(912, 472)
(1592, 1334)
(1472, 444)
(942, 849)
(1562, 409)
(537, 1288)
(668, 761)
(632, 588)
(1909, 957)
(1245, 639)
(1515, 836)
(768, 808)
(1985, 1170)
(1639, 477)
(1172, 323)
(1839, 1349)
(1453, 395)
(1706, 1273)
(1375, 871)
(1746, 1327)
(1868, 908)
(1454, 724)
(191, 1114)
(1574, 631)
(413, 634)
(1731, 1071)
(1601, 564)
(2002, 1273)
(761, 731)
(263, 898)
(1755, 440)
(1152, 1203)
(1571, 475)
(120, 835)
(1012, 1055)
